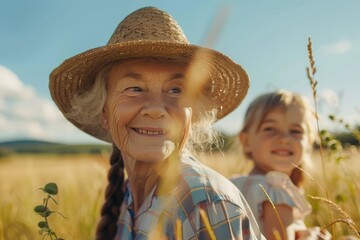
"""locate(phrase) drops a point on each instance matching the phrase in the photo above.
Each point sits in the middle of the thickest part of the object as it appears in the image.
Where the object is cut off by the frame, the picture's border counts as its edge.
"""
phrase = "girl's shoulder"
(242, 181)
(276, 187)
(269, 181)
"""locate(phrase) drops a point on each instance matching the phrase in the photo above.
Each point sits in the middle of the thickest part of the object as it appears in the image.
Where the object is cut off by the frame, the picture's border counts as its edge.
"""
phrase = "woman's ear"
(104, 120)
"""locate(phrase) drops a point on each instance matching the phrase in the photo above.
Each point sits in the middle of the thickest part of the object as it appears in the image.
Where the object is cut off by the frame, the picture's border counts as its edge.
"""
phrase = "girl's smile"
(282, 152)
(279, 143)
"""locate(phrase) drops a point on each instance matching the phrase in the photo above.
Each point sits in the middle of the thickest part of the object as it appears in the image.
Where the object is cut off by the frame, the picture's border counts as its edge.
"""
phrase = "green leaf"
(51, 188)
(340, 198)
(40, 209)
(334, 146)
(42, 224)
(332, 117)
(46, 213)
(323, 132)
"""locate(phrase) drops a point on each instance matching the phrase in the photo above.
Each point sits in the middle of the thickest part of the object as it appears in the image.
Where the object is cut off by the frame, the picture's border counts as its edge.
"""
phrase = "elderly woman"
(154, 96)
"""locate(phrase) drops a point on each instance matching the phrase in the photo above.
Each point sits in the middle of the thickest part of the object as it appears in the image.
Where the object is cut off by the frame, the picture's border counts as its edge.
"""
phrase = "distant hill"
(20, 143)
(43, 147)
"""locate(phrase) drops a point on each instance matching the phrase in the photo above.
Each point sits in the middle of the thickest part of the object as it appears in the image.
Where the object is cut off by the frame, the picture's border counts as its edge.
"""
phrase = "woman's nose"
(154, 107)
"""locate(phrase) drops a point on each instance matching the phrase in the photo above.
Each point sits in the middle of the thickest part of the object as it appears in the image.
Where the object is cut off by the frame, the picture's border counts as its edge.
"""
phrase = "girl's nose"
(284, 137)
(154, 107)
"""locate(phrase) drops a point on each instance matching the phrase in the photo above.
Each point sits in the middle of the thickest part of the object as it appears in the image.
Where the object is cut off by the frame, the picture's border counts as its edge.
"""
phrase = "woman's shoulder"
(204, 183)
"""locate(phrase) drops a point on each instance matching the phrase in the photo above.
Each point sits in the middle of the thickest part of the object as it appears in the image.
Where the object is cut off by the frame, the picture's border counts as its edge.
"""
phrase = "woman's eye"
(133, 89)
(175, 90)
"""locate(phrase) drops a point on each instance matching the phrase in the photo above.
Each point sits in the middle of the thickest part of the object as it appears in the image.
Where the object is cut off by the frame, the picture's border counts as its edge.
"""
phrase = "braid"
(114, 195)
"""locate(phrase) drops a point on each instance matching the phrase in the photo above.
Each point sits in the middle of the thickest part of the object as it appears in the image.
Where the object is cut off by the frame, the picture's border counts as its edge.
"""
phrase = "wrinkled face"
(281, 140)
(147, 111)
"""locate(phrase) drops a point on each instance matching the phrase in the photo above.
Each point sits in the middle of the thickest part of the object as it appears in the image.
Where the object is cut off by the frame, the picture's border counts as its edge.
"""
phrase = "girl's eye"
(268, 129)
(296, 132)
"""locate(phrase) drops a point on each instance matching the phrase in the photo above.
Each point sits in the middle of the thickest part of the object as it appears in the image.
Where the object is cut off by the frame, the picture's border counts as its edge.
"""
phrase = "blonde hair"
(280, 100)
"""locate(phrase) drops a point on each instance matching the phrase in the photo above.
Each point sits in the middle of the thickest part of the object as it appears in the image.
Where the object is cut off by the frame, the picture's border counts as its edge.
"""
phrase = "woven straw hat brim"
(228, 81)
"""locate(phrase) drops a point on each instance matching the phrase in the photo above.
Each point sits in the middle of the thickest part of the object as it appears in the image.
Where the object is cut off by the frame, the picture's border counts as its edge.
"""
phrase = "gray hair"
(87, 110)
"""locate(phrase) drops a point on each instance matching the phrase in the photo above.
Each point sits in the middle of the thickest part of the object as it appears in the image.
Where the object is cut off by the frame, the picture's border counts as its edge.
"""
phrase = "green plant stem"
(50, 232)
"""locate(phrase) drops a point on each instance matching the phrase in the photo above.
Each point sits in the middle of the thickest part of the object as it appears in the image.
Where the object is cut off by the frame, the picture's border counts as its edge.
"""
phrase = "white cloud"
(23, 114)
(340, 47)
(328, 102)
(11, 87)
(2, 122)
(329, 97)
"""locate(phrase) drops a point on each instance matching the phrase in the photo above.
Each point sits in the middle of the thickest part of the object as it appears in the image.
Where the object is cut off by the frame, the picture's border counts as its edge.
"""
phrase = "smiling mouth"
(148, 132)
(282, 152)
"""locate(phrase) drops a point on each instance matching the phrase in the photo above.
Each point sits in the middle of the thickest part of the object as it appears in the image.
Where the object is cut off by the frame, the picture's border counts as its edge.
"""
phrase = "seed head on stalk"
(311, 71)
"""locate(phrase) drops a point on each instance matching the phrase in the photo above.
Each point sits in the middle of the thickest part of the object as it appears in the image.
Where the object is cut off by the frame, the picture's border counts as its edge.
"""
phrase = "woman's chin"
(155, 154)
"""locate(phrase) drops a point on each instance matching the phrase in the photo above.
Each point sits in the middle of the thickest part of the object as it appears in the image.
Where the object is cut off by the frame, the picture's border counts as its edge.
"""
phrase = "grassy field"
(82, 179)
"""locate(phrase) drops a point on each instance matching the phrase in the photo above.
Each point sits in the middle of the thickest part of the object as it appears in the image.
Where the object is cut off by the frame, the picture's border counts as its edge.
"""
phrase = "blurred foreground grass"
(82, 179)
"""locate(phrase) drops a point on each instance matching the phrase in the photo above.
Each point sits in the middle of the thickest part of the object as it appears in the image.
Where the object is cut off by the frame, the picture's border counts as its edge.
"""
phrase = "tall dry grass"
(82, 180)
(336, 202)
(335, 199)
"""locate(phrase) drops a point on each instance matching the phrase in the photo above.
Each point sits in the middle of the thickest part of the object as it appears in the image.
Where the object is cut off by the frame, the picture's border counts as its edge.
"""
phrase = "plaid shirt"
(177, 215)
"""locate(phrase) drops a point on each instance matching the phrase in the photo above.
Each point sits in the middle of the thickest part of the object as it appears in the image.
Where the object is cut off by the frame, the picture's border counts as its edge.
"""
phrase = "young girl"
(277, 136)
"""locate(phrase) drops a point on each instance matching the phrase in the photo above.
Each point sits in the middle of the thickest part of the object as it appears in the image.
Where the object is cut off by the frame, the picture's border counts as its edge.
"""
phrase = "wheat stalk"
(276, 233)
(207, 224)
(178, 231)
(347, 219)
(311, 71)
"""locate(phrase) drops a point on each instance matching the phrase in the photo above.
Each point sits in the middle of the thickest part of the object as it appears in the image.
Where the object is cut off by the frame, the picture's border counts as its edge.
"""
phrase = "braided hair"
(114, 195)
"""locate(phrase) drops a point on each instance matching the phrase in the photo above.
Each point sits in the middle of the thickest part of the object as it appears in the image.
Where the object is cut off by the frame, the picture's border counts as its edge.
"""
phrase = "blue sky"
(268, 38)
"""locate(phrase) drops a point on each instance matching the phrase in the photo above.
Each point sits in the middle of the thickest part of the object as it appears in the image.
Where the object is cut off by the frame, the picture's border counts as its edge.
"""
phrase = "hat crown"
(147, 32)
(148, 23)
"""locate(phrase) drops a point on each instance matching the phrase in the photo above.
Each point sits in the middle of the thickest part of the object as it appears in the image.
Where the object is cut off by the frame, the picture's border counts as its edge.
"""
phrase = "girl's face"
(280, 143)
(147, 111)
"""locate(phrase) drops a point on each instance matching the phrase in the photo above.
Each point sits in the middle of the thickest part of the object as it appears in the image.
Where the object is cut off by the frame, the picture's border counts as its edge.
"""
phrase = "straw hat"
(148, 32)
